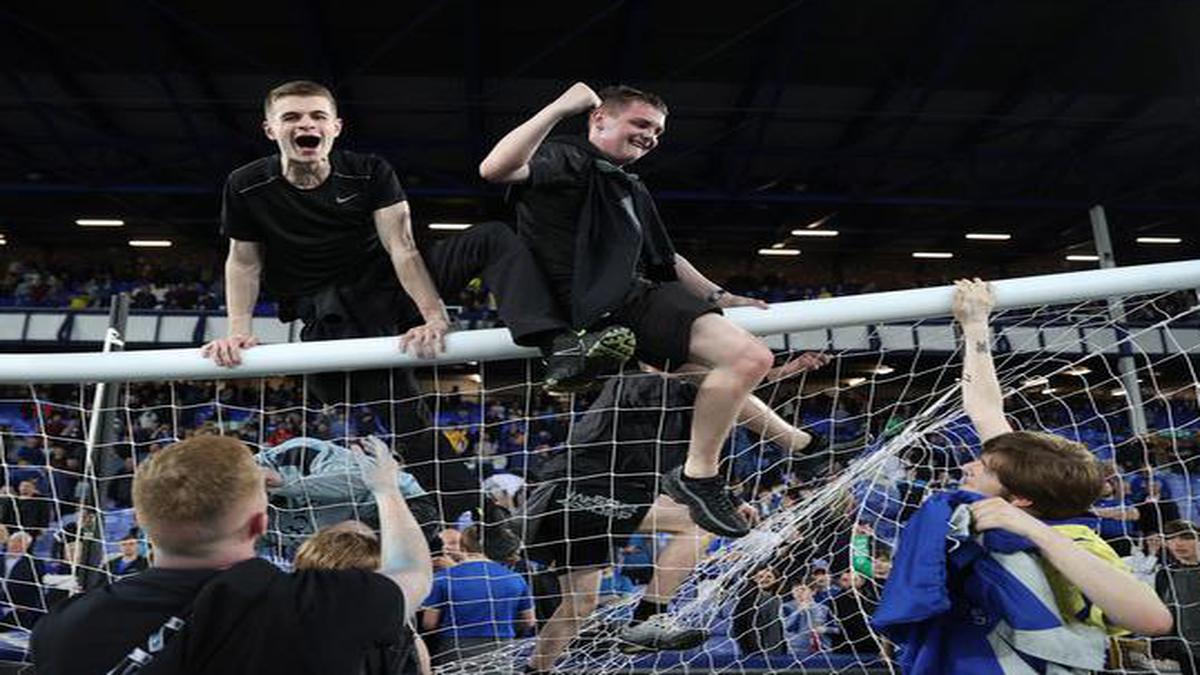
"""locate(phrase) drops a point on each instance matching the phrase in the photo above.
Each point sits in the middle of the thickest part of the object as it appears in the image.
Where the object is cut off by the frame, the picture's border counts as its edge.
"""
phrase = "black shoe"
(660, 632)
(576, 360)
(708, 503)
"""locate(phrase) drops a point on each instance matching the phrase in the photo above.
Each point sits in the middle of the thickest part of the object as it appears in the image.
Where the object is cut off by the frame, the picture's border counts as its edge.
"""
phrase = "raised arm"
(404, 554)
(982, 399)
(243, 271)
(508, 162)
(393, 224)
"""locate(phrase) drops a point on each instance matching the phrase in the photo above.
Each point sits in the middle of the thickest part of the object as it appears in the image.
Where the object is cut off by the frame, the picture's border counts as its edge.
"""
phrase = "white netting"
(888, 408)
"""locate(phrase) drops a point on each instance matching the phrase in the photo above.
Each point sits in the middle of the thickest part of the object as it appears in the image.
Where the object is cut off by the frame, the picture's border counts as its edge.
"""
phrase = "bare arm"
(508, 162)
(404, 554)
(982, 398)
(243, 272)
(526, 620)
(702, 287)
(393, 224)
(430, 619)
(1124, 600)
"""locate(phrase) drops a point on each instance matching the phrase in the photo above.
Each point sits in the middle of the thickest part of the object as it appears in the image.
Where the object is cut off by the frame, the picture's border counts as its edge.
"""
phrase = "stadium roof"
(901, 125)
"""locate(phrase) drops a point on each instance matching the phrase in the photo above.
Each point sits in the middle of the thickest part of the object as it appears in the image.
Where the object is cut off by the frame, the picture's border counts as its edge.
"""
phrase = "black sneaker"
(708, 503)
(660, 632)
(577, 359)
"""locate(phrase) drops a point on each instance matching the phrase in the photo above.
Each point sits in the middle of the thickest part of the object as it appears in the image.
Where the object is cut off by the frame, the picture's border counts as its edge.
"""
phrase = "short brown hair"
(618, 96)
(297, 88)
(183, 494)
(1179, 528)
(472, 540)
(334, 548)
(1059, 477)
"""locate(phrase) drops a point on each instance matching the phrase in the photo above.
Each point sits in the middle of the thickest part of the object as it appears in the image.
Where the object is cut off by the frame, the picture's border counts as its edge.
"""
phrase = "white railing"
(495, 344)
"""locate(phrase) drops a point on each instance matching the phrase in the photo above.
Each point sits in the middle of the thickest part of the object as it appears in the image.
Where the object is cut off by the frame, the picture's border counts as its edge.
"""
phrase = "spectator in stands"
(351, 545)
(246, 615)
(33, 510)
(24, 594)
(1178, 584)
(1154, 504)
(1148, 557)
(130, 561)
(806, 621)
(451, 552)
(476, 605)
(852, 609)
(1117, 516)
(822, 584)
(757, 622)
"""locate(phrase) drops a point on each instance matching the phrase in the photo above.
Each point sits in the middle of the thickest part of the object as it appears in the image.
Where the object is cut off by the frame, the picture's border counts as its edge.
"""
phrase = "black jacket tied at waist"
(620, 236)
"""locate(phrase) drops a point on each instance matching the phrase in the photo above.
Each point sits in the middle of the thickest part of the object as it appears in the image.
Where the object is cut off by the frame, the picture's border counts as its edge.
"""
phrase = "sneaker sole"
(675, 489)
(615, 346)
(687, 640)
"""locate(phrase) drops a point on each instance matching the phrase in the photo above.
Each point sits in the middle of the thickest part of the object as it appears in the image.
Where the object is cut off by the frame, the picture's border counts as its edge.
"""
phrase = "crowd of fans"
(806, 603)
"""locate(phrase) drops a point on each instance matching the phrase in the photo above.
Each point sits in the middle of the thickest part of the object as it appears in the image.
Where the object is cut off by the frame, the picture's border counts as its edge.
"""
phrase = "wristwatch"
(716, 295)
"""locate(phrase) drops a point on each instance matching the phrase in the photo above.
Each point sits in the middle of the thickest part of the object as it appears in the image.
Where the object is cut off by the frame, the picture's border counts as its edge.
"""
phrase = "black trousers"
(375, 306)
(493, 251)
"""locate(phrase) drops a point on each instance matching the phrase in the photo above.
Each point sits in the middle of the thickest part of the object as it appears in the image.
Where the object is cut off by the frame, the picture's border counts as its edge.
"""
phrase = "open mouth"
(308, 141)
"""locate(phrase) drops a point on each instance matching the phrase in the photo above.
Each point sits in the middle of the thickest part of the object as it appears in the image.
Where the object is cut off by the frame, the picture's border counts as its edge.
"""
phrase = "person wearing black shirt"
(596, 232)
(209, 605)
(330, 234)
(592, 496)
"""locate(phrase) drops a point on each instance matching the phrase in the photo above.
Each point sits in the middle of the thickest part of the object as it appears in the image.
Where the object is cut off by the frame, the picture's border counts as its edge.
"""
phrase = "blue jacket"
(962, 603)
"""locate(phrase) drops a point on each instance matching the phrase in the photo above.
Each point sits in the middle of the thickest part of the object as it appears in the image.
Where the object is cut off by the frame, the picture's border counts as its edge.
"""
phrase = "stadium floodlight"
(779, 251)
(1083, 257)
(814, 233)
(150, 243)
(450, 226)
(936, 255)
(1160, 240)
(989, 236)
(99, 222)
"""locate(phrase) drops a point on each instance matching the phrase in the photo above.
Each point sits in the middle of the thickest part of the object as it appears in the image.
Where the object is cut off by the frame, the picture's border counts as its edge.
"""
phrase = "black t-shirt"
(637, 429)
(548, 205)
(315, 621)
(311, 238)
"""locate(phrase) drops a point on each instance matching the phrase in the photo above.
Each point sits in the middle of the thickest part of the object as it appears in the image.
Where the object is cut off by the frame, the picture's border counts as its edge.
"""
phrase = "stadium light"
(3, 241)
(1082, 257)
(814, 233)
(854, 381)
(988, 236)
(883, 370)
(99, 222)
(1160, 240)
(939, 255)
(1078, 371)
(779, 251)
(150, 243)
(449, 226)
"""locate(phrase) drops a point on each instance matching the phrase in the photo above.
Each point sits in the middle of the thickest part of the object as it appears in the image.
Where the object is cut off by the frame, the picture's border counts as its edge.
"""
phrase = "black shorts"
(581, 524)
(661, 316)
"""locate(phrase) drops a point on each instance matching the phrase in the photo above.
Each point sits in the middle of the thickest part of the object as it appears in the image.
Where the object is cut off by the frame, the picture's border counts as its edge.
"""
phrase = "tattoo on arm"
(981, 347)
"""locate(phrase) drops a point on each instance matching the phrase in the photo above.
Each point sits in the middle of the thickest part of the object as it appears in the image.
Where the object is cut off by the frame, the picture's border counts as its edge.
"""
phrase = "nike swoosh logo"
(343, 200)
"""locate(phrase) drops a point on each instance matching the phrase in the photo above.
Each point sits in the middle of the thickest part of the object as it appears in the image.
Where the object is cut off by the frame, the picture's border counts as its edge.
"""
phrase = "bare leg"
(739, 361)
(677, 560)
(580, 589)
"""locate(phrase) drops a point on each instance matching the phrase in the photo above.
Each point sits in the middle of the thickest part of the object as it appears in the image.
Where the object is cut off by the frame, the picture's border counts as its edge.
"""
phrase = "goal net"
(796, 595)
